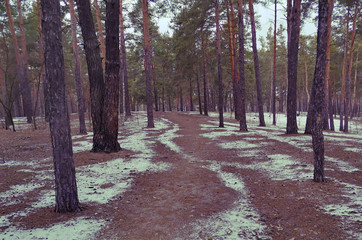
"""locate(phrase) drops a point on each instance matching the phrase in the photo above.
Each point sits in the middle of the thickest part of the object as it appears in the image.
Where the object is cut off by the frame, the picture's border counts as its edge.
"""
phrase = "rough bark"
(78, 80)
(293, 45)
(111, 98)
(328, 99)
(127, 104)
(95, 72)
(66, 194)
(318, 92)
(148, 64)
(243, 125)
(256, 66)
(219, 69)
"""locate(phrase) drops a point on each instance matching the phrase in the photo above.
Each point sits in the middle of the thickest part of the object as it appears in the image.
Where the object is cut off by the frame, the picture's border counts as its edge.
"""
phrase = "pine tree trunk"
(256, 66)
(148, 64)
(155, 94)
(181, 101)
(293, 45)
(318, 92)
(243, 125)
(95, 72)
(111, 99)
(349, 73)
(127, 104)
(343, 77)
(274, 64)
(163, 99)
(66, 194)
(199, 92)
(26, 89)
(78, 81)
(191, 95)
(100, 32)
(204, 73)
(219, 69)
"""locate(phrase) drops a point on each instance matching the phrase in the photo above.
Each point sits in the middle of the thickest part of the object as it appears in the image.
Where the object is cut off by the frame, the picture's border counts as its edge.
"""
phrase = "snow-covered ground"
(230, 224)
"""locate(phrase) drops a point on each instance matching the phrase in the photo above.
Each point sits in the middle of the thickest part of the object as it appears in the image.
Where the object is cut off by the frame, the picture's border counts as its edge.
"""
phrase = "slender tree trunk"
(26, 88)
(343, 77)
(163, 99)
(181, 101)
(66, 194)
(328, 80)
(318, 92)
(204, 73)
(95, 73)
(256, 66)
(191, 95)
(100, 32)
(243, 125)
(219, 69)
(127, 105)
(354, 97)
(349, 72)
(155, 94)
(148, 64)
(78, 81)
(236, 90)
(274, 64)
(199, 92)
(293, 45)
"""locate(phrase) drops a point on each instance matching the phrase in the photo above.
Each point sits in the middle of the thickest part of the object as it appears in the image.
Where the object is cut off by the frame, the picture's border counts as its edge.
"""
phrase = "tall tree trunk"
(236, 90)
(78, 81)
(148, 64)
(256, 66)
(100, 32)
(354, 97)
(293, 45)
(181, 101)
(219, 69)
(111, 99)
(199, 92)
(349, 72)
(328, 67)
(243, 125)
(204, 72)
(155, 93)
(318, 92)
(26, 89)
(274, 64)
(343, 77)
(191, 95)
(66, 194)
(127, 104)
(20, 74)
(163, 99)
(95, 72)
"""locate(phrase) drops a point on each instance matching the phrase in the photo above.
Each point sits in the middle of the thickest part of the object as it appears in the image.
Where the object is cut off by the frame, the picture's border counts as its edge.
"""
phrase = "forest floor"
(185, 179)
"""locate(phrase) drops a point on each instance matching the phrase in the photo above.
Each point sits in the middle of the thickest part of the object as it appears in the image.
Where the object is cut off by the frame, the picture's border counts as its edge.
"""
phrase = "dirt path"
(206, 195)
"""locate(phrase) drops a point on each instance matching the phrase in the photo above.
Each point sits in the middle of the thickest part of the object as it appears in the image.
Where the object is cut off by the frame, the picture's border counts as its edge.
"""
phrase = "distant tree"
(218, 46)
(66, 194)
(274, 64)
(147, 64)
(243, 125)
(318, 92)
(21, 59)
(256, 66)
(124, 71)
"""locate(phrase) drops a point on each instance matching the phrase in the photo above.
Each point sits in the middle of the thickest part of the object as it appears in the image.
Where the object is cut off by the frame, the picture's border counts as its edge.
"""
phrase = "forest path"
(215, 192)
